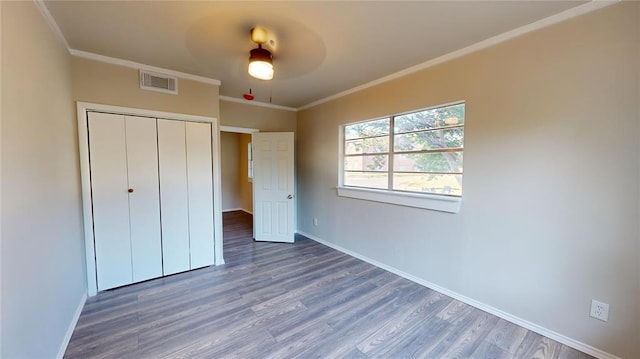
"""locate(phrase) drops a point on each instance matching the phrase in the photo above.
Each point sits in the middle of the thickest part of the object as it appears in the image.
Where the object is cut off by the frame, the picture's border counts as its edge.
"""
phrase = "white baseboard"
(72, 327)
(585, 348)
(237, 209)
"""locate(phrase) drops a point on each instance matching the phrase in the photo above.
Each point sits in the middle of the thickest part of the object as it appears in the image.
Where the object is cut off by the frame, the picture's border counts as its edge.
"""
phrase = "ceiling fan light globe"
(261, 70)
(259, 35)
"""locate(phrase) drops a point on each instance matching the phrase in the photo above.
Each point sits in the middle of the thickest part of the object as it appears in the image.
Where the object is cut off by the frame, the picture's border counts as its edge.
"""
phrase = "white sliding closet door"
(144, 201)
(108, 163)
(200, 184)
(174, 203)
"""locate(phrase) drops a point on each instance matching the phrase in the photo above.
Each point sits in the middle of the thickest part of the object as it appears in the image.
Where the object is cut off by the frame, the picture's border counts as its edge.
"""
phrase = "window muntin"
(426, 154)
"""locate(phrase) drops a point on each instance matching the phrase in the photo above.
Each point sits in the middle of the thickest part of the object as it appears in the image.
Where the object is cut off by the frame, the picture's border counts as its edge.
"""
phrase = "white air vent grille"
(158, 82)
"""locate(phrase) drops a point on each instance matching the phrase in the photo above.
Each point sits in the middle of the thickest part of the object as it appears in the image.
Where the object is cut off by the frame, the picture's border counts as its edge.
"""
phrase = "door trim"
(83, 143)
(249, 131)
(238, 129)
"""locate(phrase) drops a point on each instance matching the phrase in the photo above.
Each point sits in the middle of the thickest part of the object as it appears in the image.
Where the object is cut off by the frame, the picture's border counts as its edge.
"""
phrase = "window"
(413, 154)
(250, 162)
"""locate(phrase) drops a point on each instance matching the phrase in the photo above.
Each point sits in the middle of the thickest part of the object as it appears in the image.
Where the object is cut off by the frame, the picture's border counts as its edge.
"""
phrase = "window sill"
(425, 201)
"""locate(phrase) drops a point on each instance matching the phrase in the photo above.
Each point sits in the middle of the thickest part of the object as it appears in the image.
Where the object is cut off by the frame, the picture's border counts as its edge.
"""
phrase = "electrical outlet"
(599, 310)
(315, 222)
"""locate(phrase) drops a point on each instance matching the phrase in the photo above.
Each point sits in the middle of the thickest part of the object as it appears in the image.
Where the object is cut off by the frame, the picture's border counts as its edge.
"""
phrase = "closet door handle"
(130, 190)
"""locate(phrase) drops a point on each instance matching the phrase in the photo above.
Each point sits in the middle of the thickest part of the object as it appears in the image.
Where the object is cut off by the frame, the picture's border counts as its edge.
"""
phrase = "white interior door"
(273, 186)
(200, 193)
(108, 163)
(144, 197)
(174, 202)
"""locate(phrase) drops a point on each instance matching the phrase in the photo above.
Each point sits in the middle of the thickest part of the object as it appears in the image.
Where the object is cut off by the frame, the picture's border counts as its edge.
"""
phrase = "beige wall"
(549, 217)
(43, 267)
(230, 170)
(263, 118)
(103, 83)
(246, 187)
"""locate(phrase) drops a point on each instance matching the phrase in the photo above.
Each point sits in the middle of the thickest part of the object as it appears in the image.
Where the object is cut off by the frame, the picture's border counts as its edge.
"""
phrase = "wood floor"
(301, 300)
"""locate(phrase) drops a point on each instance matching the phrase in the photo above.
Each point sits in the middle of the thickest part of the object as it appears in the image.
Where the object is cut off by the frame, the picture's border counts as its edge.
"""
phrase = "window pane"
(429, 140)
(367, 145)
(366, 163)
(366, 179)
(428, 162)
(434, 118)
(367, 129)
(250, 160)
(428, 183)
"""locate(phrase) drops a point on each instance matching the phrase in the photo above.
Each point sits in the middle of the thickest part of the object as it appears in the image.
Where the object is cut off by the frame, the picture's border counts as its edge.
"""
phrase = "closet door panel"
(200, 188)
(144, 201)
(174, 205)
(108, 163)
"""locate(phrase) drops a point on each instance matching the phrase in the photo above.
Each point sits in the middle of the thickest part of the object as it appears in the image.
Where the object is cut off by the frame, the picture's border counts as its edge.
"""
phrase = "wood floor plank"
(570, 353)
(327, 279)
(489, 350)
(364, 319)
(394, 330)
(242, 328)
(300, 300)
(458, 328)
(305, 338)
(421, 339)
(467, 342)
(507, 336)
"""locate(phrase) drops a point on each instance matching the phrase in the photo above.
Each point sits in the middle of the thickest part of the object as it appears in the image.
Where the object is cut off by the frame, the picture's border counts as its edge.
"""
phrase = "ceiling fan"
(260, 59)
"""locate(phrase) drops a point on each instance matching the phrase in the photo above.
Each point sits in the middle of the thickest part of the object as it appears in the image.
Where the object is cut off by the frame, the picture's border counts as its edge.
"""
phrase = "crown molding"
(548, 21)
(52, 23)
(256, 103)
(139, 66)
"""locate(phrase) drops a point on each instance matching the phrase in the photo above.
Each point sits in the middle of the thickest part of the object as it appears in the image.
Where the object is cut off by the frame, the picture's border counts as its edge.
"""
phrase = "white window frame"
(442, 203)
(250, 161)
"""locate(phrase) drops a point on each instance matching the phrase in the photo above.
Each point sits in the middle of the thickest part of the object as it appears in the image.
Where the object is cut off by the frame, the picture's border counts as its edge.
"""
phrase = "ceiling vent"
(158, 82)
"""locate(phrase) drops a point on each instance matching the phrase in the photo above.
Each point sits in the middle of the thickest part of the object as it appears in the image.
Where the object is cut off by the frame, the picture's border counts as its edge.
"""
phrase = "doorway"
(236, 178)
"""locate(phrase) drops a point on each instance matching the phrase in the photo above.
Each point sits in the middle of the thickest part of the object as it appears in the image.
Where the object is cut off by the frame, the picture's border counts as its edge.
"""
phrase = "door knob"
(130, 190)
(290, 196)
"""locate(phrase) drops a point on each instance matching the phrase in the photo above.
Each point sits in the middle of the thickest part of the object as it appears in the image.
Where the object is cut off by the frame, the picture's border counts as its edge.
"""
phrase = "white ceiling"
(322, 47)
